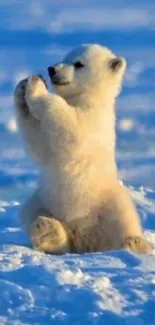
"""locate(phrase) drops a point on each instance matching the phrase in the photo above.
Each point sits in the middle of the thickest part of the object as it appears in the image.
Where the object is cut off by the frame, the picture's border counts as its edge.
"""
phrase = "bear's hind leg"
(49, 235)
(120, 216)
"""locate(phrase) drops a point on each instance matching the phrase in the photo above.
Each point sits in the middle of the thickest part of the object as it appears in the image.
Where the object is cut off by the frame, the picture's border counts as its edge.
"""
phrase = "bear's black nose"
(51, 71)
(115, 64)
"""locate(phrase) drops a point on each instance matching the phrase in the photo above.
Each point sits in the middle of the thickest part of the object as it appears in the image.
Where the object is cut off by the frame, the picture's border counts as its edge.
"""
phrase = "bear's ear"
(116, 63)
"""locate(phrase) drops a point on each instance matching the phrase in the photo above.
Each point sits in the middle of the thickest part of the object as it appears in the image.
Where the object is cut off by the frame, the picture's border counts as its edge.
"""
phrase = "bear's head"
(88, 69)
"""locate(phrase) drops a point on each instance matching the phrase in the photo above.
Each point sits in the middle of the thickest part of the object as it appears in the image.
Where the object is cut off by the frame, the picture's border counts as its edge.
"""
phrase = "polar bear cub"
(79, 205)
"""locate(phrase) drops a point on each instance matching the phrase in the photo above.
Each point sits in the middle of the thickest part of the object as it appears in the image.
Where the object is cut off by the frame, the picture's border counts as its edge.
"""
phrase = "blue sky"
(35, 34)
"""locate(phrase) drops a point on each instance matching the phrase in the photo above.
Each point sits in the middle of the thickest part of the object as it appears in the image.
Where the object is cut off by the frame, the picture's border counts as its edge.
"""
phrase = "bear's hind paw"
(137, 244)
(48, 235)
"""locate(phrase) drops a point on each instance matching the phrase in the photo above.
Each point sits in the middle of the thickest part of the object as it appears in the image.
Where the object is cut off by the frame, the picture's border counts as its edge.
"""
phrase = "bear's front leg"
(50, 109)
(49, 235)
(29, 126)
(19, 96)
(36, 89)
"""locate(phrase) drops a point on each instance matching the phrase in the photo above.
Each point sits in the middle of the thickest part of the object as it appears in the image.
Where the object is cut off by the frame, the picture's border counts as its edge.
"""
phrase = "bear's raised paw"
(20, 97)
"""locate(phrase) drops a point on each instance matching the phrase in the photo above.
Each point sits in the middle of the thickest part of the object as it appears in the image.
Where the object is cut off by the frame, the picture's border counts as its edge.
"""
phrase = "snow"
(126, 124)
(115, 287)
(12, 125)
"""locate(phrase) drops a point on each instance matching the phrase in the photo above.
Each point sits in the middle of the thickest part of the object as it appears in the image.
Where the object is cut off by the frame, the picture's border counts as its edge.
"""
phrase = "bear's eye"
(78, 65)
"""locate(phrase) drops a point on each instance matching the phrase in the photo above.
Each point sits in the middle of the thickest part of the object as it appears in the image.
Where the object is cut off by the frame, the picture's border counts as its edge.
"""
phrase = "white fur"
(74, 142)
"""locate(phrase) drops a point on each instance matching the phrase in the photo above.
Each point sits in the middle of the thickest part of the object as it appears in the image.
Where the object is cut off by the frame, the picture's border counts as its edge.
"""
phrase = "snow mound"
(115, 287)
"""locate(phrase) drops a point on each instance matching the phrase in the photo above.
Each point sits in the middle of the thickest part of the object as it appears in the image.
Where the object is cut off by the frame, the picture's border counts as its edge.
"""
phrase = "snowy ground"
(115, 287)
